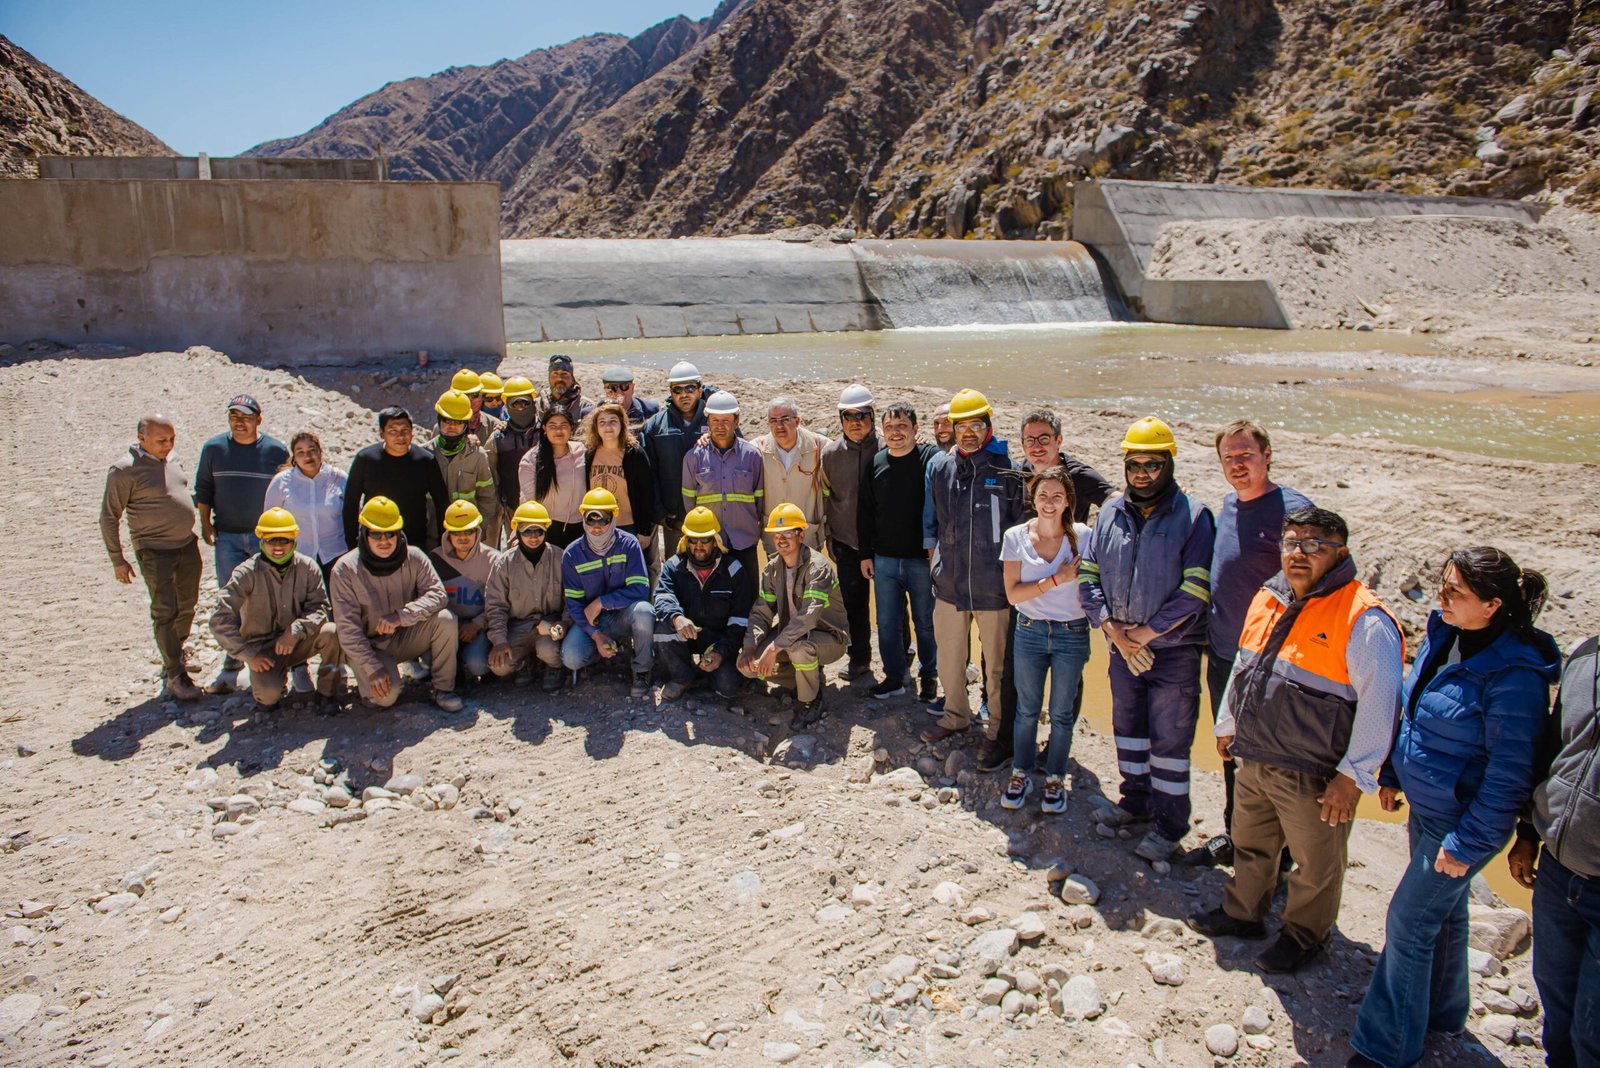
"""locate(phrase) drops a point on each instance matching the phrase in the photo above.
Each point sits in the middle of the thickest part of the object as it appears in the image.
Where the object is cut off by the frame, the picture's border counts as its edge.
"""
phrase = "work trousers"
(1153, 718)
(1275, 807)
(857, 593)
(678, 657)
(269, 686)
(1566, 963)
(800, 665)
(1217, 672)
(524, 638)
(437, 637)
(228, 553)
(950, 629)
(634, 626)
(173, 578)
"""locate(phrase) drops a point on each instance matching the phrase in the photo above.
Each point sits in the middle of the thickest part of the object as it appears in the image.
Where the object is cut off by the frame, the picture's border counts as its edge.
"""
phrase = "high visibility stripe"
(1178, 789)
(761, 493)
(772, 597)
(1133, 768)
(572, 592)
(637, 580)
(1169, 764)
(742, 498)
(486, 482)
(707, 498)
(689, 493)
(1196, 591)
(1197, 572)
(620, 558)
(816, 595)
(1088, 567)
(589, 565)
(467, 496)
(1135, 744)
(810, 665)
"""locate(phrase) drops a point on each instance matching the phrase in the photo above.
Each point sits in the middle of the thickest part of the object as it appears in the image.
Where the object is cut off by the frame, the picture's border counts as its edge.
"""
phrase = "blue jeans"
(1566, 963)
(1420, 984)
(1041, 647)
(230, 551)
(475, 655)
(635, 624)
(893, 580)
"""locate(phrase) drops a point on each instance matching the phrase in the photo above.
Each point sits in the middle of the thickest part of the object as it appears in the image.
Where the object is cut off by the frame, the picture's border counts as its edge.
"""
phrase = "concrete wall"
(1215, 302)
(287, 270)
(157, 167)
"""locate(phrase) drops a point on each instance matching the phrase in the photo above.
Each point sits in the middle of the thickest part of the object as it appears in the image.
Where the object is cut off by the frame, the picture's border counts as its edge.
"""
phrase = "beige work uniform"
(469, 476)
(517, 597)
(259, 604)
(360, 599)
(799, 484)
(804, 619)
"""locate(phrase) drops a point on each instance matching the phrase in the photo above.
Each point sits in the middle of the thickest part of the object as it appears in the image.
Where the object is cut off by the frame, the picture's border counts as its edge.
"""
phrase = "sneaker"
(1055, 795)
(1216, 923)
(855, 669)
(674, 690)
(1286, 956)
(936, 708)
(181, 688)
(300, 677)
(1154, 847)
(641, 684)
(1017, 790)
(1214, 852)
(886, 689)
(928, 690)
(993, 755)
(447, 701)
(224, 681)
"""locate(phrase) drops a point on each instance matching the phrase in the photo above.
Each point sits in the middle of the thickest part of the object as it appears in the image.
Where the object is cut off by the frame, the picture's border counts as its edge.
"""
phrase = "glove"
(1141, 661)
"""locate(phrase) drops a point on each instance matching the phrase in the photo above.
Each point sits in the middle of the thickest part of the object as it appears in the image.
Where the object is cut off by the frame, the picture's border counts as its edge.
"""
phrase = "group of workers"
(541, 534)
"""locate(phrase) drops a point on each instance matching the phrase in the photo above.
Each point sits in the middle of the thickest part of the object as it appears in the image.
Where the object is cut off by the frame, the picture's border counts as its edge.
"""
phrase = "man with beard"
(525, 610)
(667, 438)
(846, 464)
(389, 607)
(726, 475)
(403, 473)
(1145, 581)
(702, 608)
(563, 390)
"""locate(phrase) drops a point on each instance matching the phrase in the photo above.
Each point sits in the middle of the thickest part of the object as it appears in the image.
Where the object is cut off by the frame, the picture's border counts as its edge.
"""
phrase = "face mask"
(278, 561)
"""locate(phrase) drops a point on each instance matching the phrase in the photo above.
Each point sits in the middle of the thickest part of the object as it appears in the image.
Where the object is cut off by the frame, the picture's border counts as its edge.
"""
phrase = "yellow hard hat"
(454, 404)
(276, 523)
(701, 522)
(598, 500)
(1150, 435)
(530, 514)
(969, 404)
(517, 386)
(381, 514)
(461, 517)
(786, 517)
(467, 382)
(490, 384)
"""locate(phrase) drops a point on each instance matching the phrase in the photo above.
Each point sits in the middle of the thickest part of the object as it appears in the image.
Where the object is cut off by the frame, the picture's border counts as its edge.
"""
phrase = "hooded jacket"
(1566, 801)
(970, 503)
(259, 603)
(1468, 741)
(1153, 570)
(361, 598)
(516, 590)
(846, 465)
(816, 589)
(720, 606)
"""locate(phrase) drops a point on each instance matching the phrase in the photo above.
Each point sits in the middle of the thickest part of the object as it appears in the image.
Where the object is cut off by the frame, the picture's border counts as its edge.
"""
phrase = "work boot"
(1155, 847)
(993, 755)
(641, 684)
(551, 682)
(262, 715)
(224, 681)
(181, 687)
(300, 676)
(928, 691)
(888, 688)
(938, 733)
(674, 690)
(447, 701)
(1216, 923)
(855, 669)
(1286, 956)
(808, 714)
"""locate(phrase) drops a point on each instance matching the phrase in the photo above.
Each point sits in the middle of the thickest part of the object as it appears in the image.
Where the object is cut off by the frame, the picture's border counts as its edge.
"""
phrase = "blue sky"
(221, 76)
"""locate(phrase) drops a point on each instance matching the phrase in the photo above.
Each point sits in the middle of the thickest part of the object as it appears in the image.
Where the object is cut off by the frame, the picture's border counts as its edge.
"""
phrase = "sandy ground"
(599, 881)
(1486, 286)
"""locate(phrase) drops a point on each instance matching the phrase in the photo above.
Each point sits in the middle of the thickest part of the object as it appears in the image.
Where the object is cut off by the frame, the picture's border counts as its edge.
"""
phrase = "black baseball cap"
(244, 403)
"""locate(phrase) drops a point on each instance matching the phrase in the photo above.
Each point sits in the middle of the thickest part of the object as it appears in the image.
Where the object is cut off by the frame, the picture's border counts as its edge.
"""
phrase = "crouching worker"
(272, 613)
(702, 608)
(462, 562)
(608, 593)
(389, 607)
(798, 624)
(523, 606)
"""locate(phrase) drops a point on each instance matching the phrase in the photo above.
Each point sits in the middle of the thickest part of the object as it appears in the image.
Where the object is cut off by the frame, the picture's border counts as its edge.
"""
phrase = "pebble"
(423, 1006)
(1103, 831)
(33, 910)
(306, 806)
(976, 915)
(225, 829)
(377, 793)
(865, 894)
(834, 913)
(1261, 1042)
(337, 797)
(115, 903)
(17, 1010)
(793, 830)
(242, 804)
(993, 991)
(1256, 1020)
(1079, 889)
(951, 894)
(1078, 999)
(172, 914)
(1012, 1003)
(26, 749)
(447, 794)
(1222, 1040)
(1481, 963)
(782, 1052)
(404, 784)
(993, 948)
(1029, 927)
(1163, 927)
(1028, 981)
(1500, 1003)
(1161, 867)
(1164, 968)
(1500, 1026)
(900, 969)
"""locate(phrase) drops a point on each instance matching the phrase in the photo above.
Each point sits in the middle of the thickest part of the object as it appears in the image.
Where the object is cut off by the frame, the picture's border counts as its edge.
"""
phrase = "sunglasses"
(618, 387)
(855, 417)
(278, 543)
(382, 535)
(1148, 467)
(678, 391)
(597, 519)
(520, 402)
(531, 531)
(701, 541)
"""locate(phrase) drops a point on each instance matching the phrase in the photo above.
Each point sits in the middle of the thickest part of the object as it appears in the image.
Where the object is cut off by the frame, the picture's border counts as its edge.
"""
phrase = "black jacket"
(720, 607)
(1089, 487)
(641, 489)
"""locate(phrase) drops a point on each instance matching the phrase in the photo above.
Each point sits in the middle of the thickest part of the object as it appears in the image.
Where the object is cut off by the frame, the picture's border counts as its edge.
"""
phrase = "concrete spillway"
(587, 289)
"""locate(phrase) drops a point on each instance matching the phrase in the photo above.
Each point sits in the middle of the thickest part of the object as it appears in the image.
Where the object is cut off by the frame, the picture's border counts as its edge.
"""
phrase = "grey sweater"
(154, 495)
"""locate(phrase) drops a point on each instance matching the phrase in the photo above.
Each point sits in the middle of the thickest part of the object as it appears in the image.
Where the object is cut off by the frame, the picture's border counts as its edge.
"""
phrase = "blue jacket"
(1465, 751)
(968, 504)
(616, 581)
(1153, 569)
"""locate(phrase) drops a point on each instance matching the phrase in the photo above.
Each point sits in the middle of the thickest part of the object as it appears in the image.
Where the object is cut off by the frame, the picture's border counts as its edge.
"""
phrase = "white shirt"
(317, 504)
(787, 457)
(1060, 603)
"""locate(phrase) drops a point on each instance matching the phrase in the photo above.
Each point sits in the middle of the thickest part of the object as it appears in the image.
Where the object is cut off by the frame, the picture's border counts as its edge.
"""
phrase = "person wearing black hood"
(1145, 581)
(563, 391)
(512, 441)
(389, 607)
(524, 609)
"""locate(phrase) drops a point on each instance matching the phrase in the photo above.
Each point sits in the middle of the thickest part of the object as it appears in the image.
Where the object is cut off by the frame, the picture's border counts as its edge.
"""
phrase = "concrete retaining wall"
(286, 270)
(158, 167)
(1215, 302)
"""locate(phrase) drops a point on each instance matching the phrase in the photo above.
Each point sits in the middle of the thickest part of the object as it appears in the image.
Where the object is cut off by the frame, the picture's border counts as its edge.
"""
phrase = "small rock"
(1499, 932)
(900, 969)
(423, 1006)
(1481, 963)
(115, 903)
(953, 763)
(225, 829)
(1078, 999)
(1500, 1026)
(33, 910)
(17, 1010)
(26, 749)
(905, 777)
(1029, 927)
(172, 914)
(1500, 1003)
(1163, 927)
(781, 1052)
(1012, 1003)
(1256, 1020)
(976, 915)
(1028, 981)
(1222, 1040)
(1103, 831)
(378, 793)
(404, 785)
(1079, 889)
(242, 805)
(865, 894)
(306, 806)
(951, 894)
(1164, 968)
(993, 948)
(793, 830)
(443, 984)
(337, 797)
(993, 991)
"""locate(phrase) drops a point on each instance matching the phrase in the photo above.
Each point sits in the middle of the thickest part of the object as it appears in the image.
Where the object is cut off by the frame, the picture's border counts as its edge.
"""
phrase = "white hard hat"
(855, 397)
(722, 403)
(683, 371)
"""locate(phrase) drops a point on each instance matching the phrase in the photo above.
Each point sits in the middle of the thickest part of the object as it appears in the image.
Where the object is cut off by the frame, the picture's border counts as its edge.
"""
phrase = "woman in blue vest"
(1472, 713)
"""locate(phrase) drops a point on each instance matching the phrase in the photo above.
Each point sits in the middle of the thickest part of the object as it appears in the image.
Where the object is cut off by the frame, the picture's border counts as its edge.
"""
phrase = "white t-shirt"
(1061, 603)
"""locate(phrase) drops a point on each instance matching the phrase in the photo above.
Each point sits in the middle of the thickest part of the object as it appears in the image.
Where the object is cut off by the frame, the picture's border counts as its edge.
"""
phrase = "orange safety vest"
(1293, 704)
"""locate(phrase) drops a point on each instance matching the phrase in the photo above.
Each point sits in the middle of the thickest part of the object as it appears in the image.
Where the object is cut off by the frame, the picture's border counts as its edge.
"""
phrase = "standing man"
(702, 607)
(667, 438)
(466, 468)
(511, 442)
(975, 495)
(608, 593)
(726, 475)
(889, 521)
(1145, 580)
(152, 491)
(618, 384)
(402, 472)
(1309, 716)
(1041, 447)
(845, 465)
(791, 459)
(230, 490)
(1244, 556)
(563, 390)
(798, 624)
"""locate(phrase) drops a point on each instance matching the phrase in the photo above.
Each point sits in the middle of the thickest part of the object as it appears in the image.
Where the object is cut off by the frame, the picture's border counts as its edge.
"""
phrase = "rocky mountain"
(44, 114)
(976, 117)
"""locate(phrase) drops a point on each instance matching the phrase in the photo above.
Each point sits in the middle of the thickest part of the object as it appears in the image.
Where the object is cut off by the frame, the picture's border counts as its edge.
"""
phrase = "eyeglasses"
(1148, 467)
(856, 417)
(782, 420)
(531, 531)
(1038, 439)
(692, 387)
(1309, 546)
(597, 519)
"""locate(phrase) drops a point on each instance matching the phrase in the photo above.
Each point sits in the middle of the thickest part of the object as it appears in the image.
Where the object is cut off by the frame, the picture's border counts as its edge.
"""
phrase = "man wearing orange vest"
(1309, 715)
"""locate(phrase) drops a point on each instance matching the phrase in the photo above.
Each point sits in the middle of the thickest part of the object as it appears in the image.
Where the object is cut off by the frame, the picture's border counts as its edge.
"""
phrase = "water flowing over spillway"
(965, 283)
